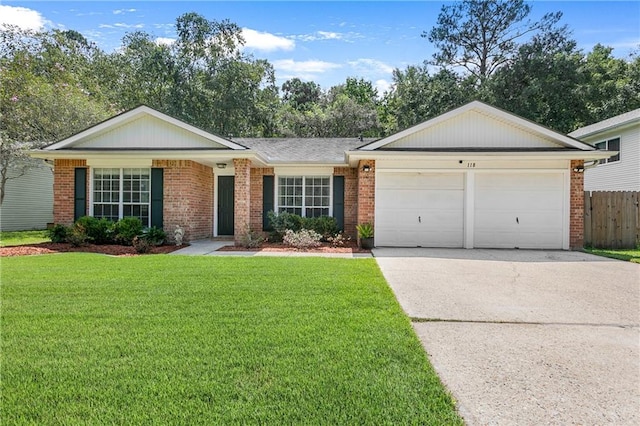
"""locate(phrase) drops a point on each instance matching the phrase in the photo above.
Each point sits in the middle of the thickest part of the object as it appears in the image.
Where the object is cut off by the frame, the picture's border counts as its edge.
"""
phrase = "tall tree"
(301, 95)
(482, 35)
(47, 92)
(543, 82)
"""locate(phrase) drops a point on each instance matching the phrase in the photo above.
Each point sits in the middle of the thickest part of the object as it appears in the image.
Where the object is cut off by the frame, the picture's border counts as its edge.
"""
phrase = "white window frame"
(120, 202)
(606, 148)
(303, 207)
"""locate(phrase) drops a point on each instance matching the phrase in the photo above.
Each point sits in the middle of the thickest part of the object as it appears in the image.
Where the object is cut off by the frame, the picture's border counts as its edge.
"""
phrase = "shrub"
(305, 238)
(326, 226)
(126, 230)
(98, 231)
(338, 240)
(365, 230)
(141, 244)
(155, 236)
(58, 234)
(77, 236)
(281, 222)
(251, 238)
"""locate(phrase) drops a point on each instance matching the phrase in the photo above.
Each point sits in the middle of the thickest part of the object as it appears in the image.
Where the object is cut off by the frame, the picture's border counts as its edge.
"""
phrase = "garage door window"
(307, 196)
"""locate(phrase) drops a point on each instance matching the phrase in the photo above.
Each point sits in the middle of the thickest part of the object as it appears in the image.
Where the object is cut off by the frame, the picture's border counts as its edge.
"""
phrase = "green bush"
(126, 230)
(99, 231)
(77, 236)
(326, 226)
(155, 236)
(58, 234)
(280, 222)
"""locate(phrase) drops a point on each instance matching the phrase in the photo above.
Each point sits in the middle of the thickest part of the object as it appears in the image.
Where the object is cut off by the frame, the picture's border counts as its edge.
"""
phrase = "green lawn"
(92, 339)
(628, 255)
(17, 238)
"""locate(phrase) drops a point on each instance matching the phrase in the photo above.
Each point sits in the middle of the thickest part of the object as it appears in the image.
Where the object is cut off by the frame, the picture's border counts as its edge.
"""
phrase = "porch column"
(241, 197)
(576, 207)
(366, 191)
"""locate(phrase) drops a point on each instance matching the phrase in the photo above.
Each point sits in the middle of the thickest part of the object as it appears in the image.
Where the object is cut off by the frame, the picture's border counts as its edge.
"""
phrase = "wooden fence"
(611, 219)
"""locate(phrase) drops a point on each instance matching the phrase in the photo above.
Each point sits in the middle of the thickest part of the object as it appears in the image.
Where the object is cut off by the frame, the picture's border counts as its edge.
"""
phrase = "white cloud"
(312, 66)
(27, 19)
(369, 66)
(122, 11)
(329, 35)
(266, 42)
(382, 86)
(166, 41)
(121, 25)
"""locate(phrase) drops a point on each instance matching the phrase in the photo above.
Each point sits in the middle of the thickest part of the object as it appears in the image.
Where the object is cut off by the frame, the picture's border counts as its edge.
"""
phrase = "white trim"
(488, 110)
(566, 223)
(302, 171)
(110, 163)
(469, 208)
(130, 116)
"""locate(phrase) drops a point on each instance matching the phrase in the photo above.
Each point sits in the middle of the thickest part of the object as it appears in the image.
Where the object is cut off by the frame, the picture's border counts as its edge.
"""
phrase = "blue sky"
(321, 41)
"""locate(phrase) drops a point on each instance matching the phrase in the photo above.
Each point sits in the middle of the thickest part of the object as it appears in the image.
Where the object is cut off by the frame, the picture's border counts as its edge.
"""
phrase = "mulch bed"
(109, 249)
(349, 247)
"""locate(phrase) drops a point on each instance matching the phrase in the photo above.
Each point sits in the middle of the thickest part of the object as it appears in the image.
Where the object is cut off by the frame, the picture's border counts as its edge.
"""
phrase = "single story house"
(476, 176)
(28, 203)
(620, 172)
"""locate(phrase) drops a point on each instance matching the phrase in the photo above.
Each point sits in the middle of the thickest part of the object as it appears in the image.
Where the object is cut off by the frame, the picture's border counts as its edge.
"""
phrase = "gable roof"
(302, 150)
(610, 123)
(86, 139)
(474, 126)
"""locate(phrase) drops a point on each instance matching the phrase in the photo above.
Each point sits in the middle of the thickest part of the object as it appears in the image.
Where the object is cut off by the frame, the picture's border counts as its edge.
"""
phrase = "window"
(307, 196)
(119, 193)
(610, 145)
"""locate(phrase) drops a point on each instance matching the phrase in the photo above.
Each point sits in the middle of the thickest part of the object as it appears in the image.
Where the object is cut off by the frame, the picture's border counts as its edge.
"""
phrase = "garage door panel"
(419, 209)
(522, 210)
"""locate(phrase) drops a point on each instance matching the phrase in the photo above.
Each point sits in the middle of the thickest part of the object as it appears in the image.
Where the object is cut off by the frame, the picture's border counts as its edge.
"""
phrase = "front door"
(225, 205)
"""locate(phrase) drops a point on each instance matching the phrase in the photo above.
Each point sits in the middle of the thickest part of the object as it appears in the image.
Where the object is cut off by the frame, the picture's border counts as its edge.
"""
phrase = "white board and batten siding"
(147, 132)
(28, 203)
(623, 175)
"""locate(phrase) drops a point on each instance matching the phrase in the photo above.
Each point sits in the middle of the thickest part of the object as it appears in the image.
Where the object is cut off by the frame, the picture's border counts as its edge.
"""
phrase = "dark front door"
(225, 205)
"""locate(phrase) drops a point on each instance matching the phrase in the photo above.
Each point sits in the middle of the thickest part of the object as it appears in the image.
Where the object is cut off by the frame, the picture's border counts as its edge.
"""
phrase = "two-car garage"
(479, 208)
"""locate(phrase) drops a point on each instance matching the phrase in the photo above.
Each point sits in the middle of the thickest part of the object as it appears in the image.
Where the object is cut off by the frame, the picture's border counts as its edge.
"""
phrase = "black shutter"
(80, 193)
(157, 184)
(338, 200)
(267, 201)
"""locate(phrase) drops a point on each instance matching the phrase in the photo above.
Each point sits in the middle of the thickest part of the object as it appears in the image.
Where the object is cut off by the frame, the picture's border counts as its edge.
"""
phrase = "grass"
(18, 238)
(92, 339)
(630, 255)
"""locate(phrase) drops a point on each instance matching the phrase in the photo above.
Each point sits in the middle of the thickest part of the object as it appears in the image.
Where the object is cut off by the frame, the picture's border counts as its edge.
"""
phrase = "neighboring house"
(28, 203)
(622, 171)
(476, 176)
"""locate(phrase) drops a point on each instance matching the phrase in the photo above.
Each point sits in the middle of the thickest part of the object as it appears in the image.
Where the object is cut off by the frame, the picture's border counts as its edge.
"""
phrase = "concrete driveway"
(526, 337)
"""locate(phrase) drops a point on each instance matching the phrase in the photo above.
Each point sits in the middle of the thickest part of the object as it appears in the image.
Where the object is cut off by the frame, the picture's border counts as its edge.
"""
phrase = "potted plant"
(365, 235)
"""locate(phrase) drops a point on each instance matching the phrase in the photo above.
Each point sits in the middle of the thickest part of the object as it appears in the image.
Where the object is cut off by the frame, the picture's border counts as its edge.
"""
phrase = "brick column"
(241, 197)
(63, 190)
(366, 191)
(576, 212)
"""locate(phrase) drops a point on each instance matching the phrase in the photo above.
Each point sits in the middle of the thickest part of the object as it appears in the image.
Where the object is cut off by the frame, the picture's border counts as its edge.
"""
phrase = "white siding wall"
(473, 130)
(28, 203)
(623, 175)
(148, 132)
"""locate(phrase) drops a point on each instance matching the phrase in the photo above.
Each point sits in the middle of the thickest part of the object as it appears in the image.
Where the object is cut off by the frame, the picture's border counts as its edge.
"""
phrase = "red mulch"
(110, 249)
(349, 247)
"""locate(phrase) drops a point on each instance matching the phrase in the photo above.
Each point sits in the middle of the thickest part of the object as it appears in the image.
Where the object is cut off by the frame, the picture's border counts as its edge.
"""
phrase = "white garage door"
(419, 209)
(523, 210)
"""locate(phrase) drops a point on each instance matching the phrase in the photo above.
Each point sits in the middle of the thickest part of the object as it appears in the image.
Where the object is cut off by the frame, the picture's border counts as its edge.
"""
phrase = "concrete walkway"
(526, 337)
(209, 248)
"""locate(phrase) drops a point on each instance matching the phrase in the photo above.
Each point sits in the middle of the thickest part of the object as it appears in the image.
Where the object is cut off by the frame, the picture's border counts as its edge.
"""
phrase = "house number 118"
(471, 165)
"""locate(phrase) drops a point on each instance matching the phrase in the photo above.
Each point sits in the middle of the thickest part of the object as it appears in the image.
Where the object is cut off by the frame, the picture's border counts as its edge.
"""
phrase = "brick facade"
(242, 197)
(187, 198)
(256, 196)
(350, 198)
(366, 191)
(576, 210)
(63, 194)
